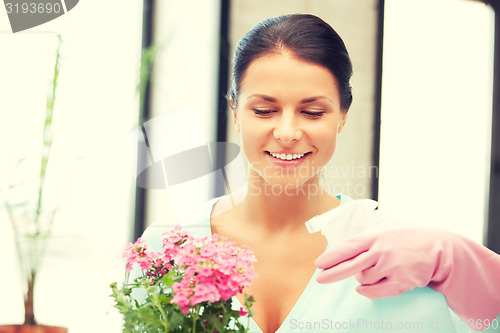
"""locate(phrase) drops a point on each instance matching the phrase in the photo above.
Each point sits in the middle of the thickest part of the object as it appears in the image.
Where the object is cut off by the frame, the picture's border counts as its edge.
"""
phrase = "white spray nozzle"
(344, 220)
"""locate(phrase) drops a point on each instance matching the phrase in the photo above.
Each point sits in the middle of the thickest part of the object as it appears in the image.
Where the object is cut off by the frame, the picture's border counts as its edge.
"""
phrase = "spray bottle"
(344, 221)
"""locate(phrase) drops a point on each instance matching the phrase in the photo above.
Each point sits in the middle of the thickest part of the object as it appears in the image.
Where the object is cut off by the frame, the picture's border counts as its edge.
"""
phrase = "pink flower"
(173, 241)
(212, 268)
(205, 270)
(181, 297)
(204, 293)
(136, 254)
(242, 312)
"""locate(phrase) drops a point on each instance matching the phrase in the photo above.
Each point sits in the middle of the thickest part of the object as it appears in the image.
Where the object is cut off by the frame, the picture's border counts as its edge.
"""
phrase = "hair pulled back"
(308, 37)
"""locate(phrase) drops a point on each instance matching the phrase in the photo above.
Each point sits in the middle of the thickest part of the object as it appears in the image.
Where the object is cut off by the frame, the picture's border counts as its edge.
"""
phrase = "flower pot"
(32, 329)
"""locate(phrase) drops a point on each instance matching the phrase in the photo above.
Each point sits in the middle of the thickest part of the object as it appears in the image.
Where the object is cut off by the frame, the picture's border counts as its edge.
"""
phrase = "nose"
(286, 129)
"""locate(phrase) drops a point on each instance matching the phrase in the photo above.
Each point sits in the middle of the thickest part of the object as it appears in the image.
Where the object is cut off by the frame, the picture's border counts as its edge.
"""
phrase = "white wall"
(436, 113)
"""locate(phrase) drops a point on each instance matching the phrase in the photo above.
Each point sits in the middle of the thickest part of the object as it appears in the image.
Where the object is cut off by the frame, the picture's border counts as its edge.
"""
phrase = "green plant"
(32, 225)
(188, 287)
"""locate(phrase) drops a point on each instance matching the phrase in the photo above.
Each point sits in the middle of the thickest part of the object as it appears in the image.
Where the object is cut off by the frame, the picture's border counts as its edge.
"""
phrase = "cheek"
(330, 143)
(326, 140)
(251, 137)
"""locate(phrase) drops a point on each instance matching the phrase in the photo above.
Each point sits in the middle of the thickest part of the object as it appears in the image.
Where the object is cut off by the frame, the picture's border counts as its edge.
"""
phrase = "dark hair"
(308, 37)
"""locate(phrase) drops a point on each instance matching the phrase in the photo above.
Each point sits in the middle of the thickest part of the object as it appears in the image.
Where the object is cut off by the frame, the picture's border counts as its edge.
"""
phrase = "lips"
(287, 158)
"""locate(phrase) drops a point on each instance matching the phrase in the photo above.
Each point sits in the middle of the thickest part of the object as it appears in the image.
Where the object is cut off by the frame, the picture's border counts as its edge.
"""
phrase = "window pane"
(89, 177)
(185, 77)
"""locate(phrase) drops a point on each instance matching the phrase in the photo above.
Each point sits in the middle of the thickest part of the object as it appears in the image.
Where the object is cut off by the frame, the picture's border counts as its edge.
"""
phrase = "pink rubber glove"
(389, 261)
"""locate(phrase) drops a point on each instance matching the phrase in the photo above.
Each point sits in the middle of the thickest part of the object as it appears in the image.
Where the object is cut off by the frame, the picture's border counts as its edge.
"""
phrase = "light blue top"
(337, 307)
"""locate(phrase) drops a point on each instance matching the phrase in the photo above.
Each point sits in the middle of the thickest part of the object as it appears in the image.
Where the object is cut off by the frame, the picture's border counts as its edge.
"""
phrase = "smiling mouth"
(287, 157)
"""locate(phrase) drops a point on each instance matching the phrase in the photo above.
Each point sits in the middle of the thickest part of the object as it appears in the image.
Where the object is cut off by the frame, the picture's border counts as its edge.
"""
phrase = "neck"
(278, 208)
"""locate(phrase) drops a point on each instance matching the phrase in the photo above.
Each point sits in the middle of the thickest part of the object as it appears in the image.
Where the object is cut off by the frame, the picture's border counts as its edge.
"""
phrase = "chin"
(291, 186)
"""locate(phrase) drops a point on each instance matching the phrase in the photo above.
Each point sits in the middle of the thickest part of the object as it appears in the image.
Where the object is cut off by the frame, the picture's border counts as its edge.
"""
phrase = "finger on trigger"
(347, 268)
(382, 289)
(346, 250)
(370, 276)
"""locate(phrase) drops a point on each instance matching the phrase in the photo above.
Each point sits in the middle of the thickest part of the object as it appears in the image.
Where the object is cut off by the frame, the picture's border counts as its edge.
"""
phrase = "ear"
(342, 121)
(236, 121)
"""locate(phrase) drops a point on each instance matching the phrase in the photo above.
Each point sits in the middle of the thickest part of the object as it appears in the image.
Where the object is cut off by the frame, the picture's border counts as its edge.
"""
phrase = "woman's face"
(288, 116)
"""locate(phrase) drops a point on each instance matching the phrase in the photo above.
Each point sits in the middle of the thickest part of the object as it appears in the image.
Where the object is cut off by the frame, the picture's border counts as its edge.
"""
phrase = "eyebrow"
(264, 97)
(313, 99)
(304, 101)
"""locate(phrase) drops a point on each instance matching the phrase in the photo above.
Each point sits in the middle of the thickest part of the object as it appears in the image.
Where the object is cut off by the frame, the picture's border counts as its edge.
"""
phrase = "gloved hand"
(389, 261)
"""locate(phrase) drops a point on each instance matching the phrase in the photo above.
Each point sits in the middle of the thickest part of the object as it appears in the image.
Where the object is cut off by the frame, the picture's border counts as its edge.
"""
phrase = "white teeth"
(287, 157)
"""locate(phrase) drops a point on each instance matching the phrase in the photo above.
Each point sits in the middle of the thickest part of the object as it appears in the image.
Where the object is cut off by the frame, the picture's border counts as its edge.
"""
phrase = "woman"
(290, 98)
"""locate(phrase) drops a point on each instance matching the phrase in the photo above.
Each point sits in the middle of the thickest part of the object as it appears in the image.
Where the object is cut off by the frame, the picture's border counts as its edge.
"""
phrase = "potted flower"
(187, 287)
(32, 225)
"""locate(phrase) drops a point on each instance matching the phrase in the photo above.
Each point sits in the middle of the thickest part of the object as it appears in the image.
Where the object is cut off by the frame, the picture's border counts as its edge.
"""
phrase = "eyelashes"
(268, 113)
(314, 114)
(263, 112)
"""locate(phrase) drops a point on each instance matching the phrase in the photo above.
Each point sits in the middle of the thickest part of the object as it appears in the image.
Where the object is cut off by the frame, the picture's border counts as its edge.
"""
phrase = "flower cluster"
(197, 276)
(215, 270)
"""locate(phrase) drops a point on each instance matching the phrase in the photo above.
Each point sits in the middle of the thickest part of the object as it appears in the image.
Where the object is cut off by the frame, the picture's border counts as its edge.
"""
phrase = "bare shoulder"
(228, 208)
(223, 206)
(225, 219)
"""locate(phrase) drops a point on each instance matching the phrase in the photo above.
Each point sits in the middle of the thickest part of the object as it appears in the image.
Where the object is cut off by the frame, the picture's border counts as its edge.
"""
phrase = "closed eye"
(263, 112)
(314, 114)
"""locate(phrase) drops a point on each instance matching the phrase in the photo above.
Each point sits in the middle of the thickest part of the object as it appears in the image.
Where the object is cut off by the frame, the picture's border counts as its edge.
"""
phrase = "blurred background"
(421, 136)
